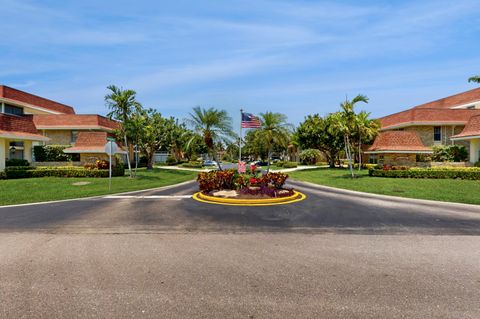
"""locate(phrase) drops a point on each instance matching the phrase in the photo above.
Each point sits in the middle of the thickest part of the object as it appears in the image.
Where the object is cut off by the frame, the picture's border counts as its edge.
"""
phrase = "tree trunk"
(214, 155)
(150, 156)
(360, 154)
(128, 154)
(348, 153)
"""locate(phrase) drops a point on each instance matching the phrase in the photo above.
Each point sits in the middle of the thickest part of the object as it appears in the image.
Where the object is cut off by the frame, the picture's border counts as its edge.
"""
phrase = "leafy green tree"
(122, 104)
(475, 79)
(274, 130)
(366, 131)
(214, 126)
(345, 122)
(320, 133)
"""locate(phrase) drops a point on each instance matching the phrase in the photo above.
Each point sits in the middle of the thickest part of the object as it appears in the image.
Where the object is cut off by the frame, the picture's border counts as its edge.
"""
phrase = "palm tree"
(475, 79)
(345, 122)
(367, 129)
(274, 130)
(214, 126)
(122, 104)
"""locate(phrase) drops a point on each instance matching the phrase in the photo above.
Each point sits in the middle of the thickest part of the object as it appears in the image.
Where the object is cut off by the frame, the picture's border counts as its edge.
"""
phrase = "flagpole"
(240, 139)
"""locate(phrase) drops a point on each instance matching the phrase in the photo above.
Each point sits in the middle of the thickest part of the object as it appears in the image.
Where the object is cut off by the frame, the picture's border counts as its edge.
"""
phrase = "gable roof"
(90, 142)
(427, 116)
(19, 127)
(472, 129)
(398, 142)
(74, 121)
(453, 100)
(26, 99)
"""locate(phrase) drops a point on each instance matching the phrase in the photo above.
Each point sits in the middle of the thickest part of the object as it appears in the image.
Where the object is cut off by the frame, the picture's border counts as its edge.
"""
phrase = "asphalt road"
(159, 254)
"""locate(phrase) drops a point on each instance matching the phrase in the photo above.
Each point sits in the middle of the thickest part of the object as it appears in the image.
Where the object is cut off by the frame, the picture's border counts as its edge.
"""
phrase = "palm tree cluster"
(475, 79)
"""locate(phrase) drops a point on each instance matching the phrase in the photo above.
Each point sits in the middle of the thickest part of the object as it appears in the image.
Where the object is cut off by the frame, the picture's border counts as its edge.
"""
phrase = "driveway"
(161, 254)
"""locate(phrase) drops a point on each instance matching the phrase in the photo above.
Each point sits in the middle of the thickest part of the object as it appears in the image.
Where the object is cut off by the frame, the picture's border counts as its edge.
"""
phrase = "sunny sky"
(294, 57)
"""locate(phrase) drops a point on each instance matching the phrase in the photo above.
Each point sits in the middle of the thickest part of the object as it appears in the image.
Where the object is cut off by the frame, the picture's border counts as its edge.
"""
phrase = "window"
(372, 159)
(470, 107)
(437, 134)
(16, 150)
(15, 110)
(73, 137)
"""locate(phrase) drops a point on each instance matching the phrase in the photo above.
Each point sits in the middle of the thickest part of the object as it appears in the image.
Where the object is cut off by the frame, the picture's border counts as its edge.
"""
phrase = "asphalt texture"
(333, 255)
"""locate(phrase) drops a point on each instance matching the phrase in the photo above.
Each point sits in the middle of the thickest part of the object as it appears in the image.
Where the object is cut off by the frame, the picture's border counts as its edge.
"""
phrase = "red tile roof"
(471, 129)
(23, 97)
(398, 141)
(74, 121)
(424, 116)
(90, 142)
(453, 100)
(12, 126)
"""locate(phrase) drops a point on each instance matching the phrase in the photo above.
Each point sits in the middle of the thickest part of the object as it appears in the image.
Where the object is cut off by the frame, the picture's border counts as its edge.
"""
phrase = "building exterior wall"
(3, 154)
(426, 135)
(474, 150)
(58, 137)
(91, 158)
(394, 159)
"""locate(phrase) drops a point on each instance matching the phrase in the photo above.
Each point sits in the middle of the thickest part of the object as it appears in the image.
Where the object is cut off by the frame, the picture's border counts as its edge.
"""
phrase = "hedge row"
(436, 173)
(192, 164)
(286, 164)
(62, 171)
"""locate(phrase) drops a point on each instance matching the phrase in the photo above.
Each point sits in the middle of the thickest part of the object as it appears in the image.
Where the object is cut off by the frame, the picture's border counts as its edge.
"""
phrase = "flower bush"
(249, 183)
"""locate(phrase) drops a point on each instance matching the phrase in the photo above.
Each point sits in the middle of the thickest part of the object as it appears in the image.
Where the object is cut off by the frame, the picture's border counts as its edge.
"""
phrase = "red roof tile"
(19, 127)
(471, 129)
(398, 141)
(453, 100)
(24, 97)
(422, 116)
(74, 121)
(91, 142)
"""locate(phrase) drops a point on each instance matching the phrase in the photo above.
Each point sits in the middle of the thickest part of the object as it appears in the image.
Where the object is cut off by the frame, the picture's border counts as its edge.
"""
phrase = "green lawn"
(449, 190)
(17, 191)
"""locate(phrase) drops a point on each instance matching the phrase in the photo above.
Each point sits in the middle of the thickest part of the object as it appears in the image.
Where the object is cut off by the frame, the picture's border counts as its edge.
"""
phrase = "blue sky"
(294, 57)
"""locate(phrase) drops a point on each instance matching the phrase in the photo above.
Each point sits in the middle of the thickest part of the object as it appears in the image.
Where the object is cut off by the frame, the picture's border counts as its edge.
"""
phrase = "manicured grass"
(18, 191)
(449, 190)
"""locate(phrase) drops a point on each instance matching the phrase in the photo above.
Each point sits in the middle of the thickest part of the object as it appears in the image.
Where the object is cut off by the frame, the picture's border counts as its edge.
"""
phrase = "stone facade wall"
(426, 135)
(397, 159)
(91, 158)
(59, 137)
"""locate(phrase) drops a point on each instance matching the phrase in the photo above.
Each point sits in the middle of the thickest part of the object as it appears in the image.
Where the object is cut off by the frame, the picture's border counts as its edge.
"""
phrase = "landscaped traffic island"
(252, 188)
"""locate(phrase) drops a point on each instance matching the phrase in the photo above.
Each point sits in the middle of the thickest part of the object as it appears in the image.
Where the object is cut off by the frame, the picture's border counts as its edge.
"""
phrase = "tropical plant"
(345, 122)
(310, 156)
(214, 126)
(475, 79)
(320, 133)
(122, 104)
(274, 130)
(367, 130)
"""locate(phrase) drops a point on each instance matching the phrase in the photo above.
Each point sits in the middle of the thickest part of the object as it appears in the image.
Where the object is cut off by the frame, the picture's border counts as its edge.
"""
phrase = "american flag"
(250, 121)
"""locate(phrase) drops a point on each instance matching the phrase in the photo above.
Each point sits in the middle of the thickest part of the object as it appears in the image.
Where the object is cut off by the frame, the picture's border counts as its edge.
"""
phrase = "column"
(3, 155)
(474, 150)
(27, 151)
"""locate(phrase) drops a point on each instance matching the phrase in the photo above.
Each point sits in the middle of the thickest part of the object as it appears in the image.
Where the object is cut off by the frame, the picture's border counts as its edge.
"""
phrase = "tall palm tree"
(475, 79)
(346, 124)
(122, 104)
(214, 126)
(274, 130)
(367, 129)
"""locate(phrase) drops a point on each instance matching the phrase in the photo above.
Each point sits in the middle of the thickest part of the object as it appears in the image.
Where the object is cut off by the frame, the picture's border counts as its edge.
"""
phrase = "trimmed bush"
(450, 153)
(61, 171)
(16, 162)
(290, 165)
(310, 156)
(171, 161)
(192, 164)
(51, 153)
(470, 173)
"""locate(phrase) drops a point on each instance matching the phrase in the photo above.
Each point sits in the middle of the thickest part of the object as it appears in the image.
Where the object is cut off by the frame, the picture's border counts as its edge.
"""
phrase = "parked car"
(210, 163)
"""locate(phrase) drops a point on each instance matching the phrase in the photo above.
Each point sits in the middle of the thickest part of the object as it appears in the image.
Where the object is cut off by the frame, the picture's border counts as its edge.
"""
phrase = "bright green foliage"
(450, 153)
(51, 153)
(214, 126)
(60, 171)
(310, 156)
(471, 173)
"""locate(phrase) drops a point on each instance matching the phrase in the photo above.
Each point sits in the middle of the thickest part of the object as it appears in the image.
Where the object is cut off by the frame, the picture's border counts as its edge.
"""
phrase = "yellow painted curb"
(296, 197)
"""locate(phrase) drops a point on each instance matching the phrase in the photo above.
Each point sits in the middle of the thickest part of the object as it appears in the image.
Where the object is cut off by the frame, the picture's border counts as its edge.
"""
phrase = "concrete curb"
(397, 199)
(99, 196)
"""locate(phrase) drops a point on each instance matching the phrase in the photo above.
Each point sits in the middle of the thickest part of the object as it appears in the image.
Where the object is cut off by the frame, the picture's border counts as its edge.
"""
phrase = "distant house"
(27, 120)
(451, 120)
